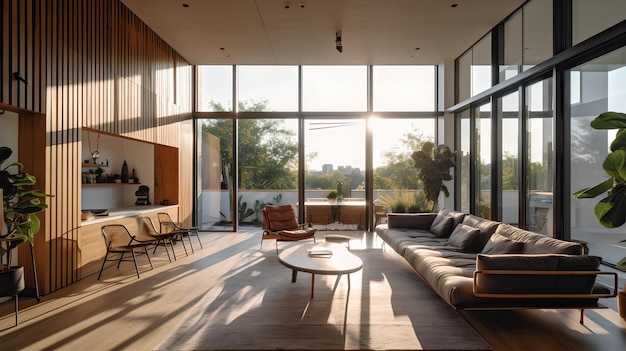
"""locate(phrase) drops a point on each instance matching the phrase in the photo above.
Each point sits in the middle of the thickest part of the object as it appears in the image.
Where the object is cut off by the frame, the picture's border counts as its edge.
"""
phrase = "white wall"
(115, 151)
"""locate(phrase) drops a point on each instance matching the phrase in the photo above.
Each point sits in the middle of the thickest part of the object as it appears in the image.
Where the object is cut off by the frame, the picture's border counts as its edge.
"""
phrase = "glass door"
(335, 173)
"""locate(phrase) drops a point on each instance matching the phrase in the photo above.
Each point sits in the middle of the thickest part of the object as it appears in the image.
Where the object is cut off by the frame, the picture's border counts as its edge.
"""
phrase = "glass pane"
(214, 180)
(510, 158)
(267, 88)
(396, 186)
(538, 45)
(328, 163)
(602, 88)
(483, 186)
(481, 65)
(268, 166)
(540, 124)
(513, 46)
(404, 88)
(464, 76)
(334, 88)
(215, 88)
(592, 17)
(465, 154)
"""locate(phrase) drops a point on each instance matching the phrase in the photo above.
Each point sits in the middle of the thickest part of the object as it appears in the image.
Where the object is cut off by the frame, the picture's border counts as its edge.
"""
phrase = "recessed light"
(185, 5)
(454, 5)
(417, 48)
(222, 49)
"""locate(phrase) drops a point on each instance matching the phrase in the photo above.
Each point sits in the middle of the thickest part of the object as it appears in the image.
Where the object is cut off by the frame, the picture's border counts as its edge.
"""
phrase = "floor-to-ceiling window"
(596, 86)
(464, 160)
(508, 115)
(540, 158)
(484, 165)
(278, 126)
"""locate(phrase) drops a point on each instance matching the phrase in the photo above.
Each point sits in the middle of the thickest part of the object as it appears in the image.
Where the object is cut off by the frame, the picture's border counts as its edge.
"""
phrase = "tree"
(267, 151)
(399, 173)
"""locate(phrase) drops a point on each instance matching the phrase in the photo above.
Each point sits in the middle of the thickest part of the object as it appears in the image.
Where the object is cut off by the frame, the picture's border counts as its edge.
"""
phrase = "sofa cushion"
(539, 243)
(458, 216)
(499, 244)
(463, 237)
(536, 284)
(410, 220)
(442, 226)
(486, 228)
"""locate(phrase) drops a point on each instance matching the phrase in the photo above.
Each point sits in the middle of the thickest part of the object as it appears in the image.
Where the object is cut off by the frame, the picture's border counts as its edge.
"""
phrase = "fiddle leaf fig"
(614, 165)
(592, 192)
(611, 211)
(609, 120)
(619, 143)
(433, 168)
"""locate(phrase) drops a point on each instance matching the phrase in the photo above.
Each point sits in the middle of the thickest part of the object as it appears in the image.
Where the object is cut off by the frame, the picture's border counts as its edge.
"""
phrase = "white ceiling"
(373, 31)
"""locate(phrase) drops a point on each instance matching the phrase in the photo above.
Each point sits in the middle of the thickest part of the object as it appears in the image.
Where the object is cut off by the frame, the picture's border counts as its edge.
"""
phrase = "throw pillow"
(463, 237)
(442, 226)
(500, 244)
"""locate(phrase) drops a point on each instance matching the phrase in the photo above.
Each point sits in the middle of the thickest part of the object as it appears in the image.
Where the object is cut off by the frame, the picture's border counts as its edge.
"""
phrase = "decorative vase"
(124, 174)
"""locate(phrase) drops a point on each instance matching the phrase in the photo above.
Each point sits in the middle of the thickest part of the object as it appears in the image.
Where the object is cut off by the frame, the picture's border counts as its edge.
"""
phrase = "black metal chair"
(118, 240)
(168, 225)
(161, 238)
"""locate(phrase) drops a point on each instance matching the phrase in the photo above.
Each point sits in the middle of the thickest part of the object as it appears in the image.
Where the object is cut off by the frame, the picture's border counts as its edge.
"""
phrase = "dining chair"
(118, 240)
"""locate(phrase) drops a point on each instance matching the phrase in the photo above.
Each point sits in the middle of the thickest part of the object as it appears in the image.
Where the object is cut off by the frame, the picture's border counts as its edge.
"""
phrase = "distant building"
(327, 168)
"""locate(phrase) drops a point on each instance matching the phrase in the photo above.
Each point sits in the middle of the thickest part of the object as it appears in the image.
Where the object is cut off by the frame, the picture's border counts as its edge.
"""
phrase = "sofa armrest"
(410, 220)
(503, 289)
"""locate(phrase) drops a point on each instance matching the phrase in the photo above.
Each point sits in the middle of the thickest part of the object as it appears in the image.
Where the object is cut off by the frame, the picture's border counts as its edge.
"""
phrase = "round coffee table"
(337, 261)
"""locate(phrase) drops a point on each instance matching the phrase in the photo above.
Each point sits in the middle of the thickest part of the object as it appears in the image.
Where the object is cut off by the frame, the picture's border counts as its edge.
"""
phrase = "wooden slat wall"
(90, 64)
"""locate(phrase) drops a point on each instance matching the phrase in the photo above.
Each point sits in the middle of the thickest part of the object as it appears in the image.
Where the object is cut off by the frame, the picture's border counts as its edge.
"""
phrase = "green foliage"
(244, 211)
(433, 168)
(611, 211)
(20, 204)
(404, 201)
(268, 153)
(398, 173)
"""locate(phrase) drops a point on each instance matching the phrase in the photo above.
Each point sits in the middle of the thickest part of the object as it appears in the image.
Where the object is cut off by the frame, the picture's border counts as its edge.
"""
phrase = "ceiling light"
(185, 5)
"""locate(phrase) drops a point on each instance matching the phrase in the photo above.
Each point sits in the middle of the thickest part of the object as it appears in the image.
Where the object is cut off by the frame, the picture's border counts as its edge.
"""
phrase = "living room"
(135, 70)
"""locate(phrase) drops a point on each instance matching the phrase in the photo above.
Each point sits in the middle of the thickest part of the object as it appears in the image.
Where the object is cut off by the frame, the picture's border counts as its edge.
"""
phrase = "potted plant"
(611, 211)
(20, 224)
(332, 196)
(433, 168)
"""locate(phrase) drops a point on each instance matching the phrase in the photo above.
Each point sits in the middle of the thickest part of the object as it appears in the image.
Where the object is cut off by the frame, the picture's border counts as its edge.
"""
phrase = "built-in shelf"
(109, 184)
(93, 165)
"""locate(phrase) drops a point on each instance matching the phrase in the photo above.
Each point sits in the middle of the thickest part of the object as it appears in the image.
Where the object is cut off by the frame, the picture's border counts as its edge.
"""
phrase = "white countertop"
(116, 213)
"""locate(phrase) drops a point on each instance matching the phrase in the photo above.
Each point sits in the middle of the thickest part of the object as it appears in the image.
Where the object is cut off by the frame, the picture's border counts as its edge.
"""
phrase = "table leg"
(312, 284)
(294, 275)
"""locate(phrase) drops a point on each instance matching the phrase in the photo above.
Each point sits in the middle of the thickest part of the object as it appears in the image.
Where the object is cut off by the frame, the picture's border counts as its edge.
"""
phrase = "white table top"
(342, 261)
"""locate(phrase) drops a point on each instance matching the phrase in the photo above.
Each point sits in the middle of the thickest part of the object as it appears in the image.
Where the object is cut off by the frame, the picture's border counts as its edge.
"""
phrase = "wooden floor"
(121, 312)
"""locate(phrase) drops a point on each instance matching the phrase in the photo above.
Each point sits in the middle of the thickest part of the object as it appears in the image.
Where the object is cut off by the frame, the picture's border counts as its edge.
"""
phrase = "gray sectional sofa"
(475, 263)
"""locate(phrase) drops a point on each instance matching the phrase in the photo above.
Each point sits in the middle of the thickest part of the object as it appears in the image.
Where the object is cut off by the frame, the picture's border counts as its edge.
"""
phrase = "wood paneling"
(89, 64)
(165, 174)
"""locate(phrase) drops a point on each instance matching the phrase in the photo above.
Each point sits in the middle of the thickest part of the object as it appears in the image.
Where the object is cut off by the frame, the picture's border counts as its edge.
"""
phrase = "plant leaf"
(611, 211)
(588, 193)
(614, 165)
(619, 143)
(609, 120)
